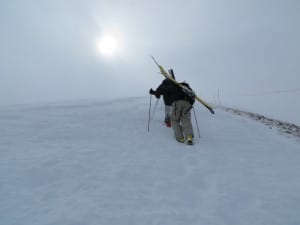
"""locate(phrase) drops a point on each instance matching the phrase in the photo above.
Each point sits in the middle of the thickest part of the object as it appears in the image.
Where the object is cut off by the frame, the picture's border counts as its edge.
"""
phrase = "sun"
(108, 45)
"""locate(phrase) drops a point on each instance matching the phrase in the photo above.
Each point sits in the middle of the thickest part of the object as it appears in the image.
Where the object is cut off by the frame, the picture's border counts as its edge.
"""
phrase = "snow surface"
(96, 163)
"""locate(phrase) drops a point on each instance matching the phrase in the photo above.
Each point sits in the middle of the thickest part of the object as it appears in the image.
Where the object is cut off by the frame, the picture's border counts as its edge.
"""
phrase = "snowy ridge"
(96, 163)
(284, 127)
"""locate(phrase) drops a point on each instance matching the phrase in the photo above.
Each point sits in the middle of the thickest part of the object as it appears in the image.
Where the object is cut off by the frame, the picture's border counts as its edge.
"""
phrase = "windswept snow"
(96, 163)
(288, 129)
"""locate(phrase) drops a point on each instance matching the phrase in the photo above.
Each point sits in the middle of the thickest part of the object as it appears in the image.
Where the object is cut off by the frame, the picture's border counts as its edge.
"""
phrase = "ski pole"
(196, 122)
(154, 109)
(149, 113)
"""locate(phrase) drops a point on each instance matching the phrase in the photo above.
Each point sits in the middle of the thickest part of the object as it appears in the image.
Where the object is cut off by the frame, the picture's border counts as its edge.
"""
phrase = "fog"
(242, 54)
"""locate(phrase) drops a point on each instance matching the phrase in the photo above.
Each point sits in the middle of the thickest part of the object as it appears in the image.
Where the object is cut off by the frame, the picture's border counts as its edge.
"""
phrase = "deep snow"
(96, 163)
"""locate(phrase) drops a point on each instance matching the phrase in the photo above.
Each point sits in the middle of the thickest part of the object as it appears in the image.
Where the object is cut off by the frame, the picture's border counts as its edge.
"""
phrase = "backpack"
(189, 93)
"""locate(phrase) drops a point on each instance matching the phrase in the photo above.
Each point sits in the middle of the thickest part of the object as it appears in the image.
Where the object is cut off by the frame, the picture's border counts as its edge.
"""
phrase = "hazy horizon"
(248, 50)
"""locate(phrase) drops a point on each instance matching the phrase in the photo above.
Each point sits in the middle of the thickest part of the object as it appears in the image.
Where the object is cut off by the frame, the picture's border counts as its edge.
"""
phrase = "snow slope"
(95, 163)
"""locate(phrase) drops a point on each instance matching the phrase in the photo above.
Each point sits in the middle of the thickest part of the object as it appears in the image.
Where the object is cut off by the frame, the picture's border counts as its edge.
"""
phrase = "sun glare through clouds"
(108, 45)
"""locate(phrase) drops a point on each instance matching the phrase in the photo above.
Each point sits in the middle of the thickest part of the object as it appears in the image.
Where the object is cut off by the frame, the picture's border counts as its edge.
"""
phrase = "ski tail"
(165, 74)
(205, 104)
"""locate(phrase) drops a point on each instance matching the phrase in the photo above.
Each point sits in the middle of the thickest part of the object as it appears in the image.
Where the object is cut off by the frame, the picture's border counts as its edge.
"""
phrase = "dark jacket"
(173, 92)
(162, 89)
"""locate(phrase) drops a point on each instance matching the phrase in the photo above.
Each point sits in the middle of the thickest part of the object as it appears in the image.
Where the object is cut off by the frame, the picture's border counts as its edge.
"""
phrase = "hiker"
(182, 100)
(166, 97)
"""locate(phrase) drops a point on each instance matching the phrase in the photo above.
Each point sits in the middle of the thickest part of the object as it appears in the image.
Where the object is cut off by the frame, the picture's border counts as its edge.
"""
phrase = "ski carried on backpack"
(166, 75)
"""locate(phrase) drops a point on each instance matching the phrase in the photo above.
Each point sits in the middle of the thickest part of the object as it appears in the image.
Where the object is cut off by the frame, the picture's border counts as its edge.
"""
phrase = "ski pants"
(181, 119)
(168, 112)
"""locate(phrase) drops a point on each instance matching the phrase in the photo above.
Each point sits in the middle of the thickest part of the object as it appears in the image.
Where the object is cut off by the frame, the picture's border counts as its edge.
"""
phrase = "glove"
(151, 92)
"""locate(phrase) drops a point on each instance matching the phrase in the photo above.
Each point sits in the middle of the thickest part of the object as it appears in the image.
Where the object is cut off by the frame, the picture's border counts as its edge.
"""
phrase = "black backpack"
(189, 93)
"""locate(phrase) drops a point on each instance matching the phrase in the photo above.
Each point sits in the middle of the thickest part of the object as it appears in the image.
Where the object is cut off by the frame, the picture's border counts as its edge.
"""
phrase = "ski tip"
(154, 59)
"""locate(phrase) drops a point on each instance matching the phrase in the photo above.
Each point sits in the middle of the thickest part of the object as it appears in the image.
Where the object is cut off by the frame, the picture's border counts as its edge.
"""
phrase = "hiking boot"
(189, 140)
(181, 140)
(168, 123)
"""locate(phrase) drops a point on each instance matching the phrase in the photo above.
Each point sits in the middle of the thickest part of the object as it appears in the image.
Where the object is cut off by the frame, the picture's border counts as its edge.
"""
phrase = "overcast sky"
(248, 49)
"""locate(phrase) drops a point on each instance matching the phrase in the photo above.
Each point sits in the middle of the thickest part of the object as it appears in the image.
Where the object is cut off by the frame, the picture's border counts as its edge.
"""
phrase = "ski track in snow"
(97, 164)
